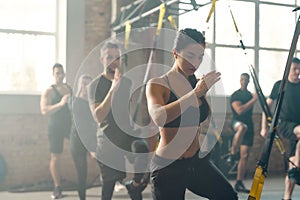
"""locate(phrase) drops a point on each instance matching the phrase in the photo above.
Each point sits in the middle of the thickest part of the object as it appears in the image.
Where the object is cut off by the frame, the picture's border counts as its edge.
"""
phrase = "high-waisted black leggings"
(199, 176)
(79, 154)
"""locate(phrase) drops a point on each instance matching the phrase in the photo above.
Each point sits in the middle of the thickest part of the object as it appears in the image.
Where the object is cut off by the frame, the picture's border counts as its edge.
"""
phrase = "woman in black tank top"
(183, 119)
(177, 104)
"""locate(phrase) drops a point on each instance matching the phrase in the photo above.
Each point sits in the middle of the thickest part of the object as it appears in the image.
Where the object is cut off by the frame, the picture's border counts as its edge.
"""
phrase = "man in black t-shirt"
(109, 96)
(241, 103)
(289, 122)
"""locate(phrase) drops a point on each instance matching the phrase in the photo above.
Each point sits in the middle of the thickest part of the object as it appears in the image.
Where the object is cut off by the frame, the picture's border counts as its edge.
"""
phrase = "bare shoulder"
(157, 86)
(49, 92)
(157, 81)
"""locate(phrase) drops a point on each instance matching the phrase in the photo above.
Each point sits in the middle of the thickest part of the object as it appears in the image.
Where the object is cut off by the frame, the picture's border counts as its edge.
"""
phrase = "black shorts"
(249, 135)
(56, 136)
(286, 129)
(56, 143)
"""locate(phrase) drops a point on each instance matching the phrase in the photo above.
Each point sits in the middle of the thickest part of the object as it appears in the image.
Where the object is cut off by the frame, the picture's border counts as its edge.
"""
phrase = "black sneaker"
(239, 187)
(231, 159)
(135, 192)
(56, 193)
(294, 175)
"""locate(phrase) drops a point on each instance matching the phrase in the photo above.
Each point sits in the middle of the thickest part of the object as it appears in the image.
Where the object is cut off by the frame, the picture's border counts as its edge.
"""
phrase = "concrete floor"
(272, 190)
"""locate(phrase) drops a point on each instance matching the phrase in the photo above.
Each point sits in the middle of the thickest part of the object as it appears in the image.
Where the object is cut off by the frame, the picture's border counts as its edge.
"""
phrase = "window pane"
(197, 20)
(281, 1)
(232, 63)
(276, 30)
(34, 15)
(206, 65)
(25, 62)
(244, 14)
(272, 65)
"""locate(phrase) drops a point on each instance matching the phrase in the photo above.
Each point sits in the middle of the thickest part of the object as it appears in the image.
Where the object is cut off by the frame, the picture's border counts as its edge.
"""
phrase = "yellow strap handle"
(257, 184)
(218, 136)
(235, 24)
(172, 22)
(212, 8)
(162, 12)
(127, 33)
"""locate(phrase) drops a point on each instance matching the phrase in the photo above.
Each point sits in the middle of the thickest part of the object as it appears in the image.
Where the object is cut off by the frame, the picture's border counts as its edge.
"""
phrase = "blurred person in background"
(54, 103)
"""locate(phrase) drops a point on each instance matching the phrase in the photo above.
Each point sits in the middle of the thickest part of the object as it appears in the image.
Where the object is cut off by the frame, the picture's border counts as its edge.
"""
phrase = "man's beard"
(110, 71)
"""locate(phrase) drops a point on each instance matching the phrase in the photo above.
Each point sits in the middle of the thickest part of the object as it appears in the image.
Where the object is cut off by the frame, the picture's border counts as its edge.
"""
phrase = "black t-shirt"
(290, 107)
(243, 96)
(116, 125)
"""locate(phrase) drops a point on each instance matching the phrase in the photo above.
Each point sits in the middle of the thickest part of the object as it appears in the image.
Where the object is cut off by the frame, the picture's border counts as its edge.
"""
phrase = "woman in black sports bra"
(177, 104)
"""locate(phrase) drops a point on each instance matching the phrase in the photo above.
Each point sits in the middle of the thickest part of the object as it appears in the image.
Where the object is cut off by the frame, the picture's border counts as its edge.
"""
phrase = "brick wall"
(97, 22)
(24, 147)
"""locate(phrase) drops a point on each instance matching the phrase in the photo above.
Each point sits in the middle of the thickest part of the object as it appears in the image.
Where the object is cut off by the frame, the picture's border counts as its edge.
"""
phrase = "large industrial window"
(32, 38)
(267, 29)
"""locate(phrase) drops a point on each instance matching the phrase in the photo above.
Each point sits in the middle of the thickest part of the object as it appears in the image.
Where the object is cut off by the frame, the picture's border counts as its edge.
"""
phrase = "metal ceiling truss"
(141, 9)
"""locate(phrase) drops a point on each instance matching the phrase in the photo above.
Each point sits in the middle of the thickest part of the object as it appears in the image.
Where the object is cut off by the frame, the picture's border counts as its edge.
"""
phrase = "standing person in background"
(54, 102)
(83, 134)
(241, 103)
(114, 143)
(177, 104)
(289, 123)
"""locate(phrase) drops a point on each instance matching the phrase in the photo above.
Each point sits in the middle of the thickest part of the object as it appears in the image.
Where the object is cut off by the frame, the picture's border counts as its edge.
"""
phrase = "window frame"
(255, 49)
(59, 54)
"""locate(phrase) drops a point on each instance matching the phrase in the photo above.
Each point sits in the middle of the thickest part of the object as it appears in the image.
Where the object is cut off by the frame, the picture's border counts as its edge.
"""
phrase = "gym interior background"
(71, 29)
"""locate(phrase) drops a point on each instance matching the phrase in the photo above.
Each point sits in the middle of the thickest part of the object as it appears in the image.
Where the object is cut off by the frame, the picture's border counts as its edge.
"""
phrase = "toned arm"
(100, 110)
(264, 125)
(45, 103)
(101, 105)
(242, 108)
(157, 96)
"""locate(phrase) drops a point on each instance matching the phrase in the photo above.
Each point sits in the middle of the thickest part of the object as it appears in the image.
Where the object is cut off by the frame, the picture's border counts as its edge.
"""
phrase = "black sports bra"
(192, 116)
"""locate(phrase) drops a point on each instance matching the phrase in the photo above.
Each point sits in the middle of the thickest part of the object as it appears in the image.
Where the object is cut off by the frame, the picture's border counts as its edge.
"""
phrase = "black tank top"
(61, 120)
(189, 116)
